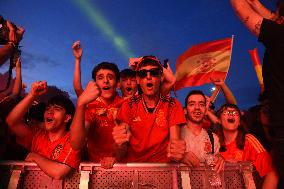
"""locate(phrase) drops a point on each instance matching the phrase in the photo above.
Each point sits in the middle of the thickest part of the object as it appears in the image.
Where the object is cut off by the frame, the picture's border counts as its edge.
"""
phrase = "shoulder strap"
(210, 134)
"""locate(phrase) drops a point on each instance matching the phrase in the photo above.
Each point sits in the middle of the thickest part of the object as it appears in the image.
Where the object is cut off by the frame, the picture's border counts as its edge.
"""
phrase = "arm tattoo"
(257, 27)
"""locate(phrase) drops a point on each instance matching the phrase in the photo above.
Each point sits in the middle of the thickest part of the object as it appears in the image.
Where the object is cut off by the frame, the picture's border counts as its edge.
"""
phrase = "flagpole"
(214, 95)
(216, 92)
(230, 56)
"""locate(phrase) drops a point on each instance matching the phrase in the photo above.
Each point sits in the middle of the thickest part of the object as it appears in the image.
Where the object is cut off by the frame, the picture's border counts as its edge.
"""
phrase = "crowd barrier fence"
(20, 174)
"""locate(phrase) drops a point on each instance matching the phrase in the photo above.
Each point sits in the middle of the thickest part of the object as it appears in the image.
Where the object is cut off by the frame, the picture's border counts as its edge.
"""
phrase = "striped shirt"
(253, 151)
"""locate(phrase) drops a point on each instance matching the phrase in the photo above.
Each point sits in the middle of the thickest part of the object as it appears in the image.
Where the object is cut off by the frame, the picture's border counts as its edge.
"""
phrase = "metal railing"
(19, 174)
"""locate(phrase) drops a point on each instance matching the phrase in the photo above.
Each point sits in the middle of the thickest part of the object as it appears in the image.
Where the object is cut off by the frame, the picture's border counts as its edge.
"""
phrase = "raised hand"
(168, 72)
(77, 50)
(38, 88)
(12, 33)
(217, 82)
(91, 93)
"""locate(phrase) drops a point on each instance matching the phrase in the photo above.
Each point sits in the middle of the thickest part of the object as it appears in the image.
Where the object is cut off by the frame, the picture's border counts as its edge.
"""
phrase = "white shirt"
(200, 145)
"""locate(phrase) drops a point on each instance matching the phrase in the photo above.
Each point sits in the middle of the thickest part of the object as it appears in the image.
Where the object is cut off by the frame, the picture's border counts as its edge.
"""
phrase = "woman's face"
(230, 119)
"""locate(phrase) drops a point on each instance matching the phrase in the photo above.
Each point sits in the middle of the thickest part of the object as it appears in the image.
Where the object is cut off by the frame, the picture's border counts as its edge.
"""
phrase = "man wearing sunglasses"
(148, 121)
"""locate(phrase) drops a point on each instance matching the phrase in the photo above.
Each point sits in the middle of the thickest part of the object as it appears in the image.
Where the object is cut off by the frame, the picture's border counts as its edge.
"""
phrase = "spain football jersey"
(102, 120)
(59, 150)
(253, 151)
(150, 131)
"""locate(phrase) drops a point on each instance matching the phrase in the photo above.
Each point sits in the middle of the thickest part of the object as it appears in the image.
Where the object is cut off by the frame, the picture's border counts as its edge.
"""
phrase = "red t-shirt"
(150, 131)
(59, 150)
(101, 118)
(253, 151)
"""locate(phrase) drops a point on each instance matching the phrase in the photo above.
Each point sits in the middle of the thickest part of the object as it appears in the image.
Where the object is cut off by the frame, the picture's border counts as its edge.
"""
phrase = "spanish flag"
(257, 66)
(201, 62)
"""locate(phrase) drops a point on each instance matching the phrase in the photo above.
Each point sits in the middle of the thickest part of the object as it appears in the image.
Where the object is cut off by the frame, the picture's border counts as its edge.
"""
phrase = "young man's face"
(196, 108)
(149, 77)
(55, 118)
(106, 80)
(230, 119)
(128, 86)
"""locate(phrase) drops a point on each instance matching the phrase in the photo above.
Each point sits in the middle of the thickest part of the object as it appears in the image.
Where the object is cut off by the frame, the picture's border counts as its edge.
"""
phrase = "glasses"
(155, 72)
(232, 112)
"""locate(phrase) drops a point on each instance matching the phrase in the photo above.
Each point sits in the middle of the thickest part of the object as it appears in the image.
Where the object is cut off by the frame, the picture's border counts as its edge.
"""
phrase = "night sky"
(116, 30)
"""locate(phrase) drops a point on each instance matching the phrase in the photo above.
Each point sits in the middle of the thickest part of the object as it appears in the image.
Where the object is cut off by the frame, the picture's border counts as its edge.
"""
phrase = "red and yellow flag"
(257, 66)
(203, 61)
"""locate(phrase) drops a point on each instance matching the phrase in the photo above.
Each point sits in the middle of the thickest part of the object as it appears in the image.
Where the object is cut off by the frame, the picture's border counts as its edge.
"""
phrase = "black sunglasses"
(155, 72)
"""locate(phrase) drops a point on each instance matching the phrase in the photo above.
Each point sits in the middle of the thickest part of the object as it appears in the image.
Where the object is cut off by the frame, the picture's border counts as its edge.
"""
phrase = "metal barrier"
(15, 175)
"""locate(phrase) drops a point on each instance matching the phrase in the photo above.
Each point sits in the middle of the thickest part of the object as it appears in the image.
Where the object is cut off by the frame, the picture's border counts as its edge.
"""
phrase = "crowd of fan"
(144, 124)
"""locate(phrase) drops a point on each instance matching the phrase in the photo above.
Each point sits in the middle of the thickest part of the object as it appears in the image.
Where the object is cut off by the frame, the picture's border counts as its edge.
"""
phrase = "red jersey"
(59, 150)
(150, 131)
(253, 151)
(102, 120)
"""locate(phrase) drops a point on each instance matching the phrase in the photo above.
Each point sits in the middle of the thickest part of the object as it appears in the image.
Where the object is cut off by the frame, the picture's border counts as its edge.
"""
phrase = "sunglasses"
(155, 72)
(232, 112)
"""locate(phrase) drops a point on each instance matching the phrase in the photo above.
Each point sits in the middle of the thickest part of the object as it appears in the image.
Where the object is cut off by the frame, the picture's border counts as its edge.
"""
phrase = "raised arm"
(262, 10)
(18, 81)
(230, 98)
(248, 15)
(6, 52)
(169, 80)
(77, 52)
(78, 129)
(210, 113)
(15, 119)
(15, 36)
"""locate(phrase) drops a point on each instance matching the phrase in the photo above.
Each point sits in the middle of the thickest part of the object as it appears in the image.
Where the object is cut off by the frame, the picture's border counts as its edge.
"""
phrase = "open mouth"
(197, 113)
(149, 85)
(128, 89)
(231, 120)
(48, 120)
(106, 88)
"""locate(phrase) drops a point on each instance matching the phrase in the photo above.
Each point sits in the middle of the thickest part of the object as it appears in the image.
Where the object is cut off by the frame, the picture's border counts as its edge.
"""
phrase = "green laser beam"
(98, 21)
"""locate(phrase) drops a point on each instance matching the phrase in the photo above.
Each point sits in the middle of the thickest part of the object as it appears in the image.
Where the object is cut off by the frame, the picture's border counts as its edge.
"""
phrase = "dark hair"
(107, 66)
(254, 126)
(66, 103)
(150, 60)
(126, 73)
(240, 140)
(36, 112)
(193, 92)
